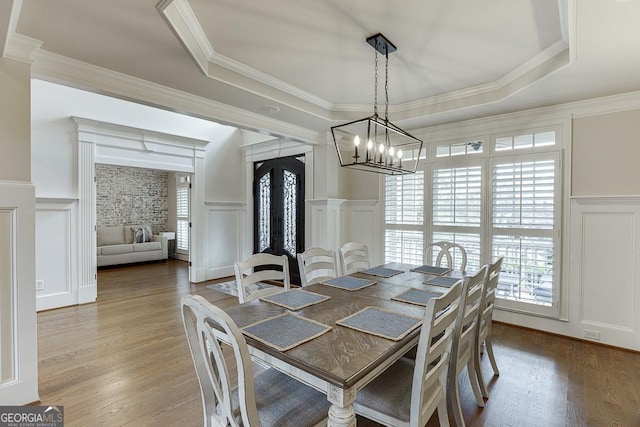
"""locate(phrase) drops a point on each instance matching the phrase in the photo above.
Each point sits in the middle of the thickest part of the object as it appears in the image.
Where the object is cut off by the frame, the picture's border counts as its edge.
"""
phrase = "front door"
(278, 188)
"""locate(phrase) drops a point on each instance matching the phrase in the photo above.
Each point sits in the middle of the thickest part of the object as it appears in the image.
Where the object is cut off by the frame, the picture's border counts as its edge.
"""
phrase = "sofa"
(124, 244)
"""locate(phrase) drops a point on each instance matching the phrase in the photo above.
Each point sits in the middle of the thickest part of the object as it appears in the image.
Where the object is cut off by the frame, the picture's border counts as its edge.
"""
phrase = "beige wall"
(359, 185)
(15, 121)
(606, 155)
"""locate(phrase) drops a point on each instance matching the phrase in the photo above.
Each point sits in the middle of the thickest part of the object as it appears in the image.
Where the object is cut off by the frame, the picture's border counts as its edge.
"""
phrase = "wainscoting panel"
(361, 224)
(605, 251)
(18, 331)
(225, 237)
(56, 279)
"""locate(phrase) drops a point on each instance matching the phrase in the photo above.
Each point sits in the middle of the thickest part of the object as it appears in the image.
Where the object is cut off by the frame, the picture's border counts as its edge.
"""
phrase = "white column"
(198, 217)
(88, 289)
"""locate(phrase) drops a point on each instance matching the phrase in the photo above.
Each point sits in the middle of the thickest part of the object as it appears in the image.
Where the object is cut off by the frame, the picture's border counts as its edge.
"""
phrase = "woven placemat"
(348, 283)
(381, 323)
(429, 269)
(285, 331)
(295, 299)
(416, 296)
(382, 272)
(447, 282)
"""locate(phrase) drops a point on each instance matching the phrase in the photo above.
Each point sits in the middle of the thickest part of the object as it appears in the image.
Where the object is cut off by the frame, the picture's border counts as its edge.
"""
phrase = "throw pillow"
(141, 234)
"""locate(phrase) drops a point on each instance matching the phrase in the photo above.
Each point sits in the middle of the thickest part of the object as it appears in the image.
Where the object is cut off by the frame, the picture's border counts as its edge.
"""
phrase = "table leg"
(341, 413)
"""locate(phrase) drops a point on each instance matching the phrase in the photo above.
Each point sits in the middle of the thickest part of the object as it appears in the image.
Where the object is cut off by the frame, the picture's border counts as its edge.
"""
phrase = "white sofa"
(116, 246)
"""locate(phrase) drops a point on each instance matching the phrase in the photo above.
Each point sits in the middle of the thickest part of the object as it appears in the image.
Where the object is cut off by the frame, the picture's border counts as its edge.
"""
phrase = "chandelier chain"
(375, 86)
(386, 87)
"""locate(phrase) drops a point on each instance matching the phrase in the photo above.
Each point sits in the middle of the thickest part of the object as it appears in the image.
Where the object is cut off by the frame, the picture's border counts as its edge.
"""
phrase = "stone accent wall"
(126, 195)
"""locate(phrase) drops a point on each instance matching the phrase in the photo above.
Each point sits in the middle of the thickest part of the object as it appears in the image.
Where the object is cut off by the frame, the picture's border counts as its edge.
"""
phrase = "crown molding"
(544, 115)
(184, 23)
(21, 48)
(150, 139)
(57, 68)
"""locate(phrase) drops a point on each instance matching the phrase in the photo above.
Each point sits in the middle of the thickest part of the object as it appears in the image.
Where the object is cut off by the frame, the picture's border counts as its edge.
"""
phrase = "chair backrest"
(202, 321)
(354, 257)
(465, 330)
(433, 354)
(453, 254)
(488, 298)
(275, 268)
(317, 265)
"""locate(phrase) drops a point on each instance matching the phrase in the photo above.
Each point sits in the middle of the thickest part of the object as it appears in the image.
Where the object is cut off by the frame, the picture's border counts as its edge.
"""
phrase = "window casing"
(182, 214)
(503, 199)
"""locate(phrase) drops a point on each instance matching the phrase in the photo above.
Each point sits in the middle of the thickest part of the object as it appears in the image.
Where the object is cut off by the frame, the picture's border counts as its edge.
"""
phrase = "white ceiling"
(456, 59)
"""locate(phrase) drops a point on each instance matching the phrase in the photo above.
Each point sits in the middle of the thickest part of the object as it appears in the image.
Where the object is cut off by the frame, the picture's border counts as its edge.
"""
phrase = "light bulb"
(369, 145)
(399, 154)
(356, 140)
(381, 148)
(391, 151)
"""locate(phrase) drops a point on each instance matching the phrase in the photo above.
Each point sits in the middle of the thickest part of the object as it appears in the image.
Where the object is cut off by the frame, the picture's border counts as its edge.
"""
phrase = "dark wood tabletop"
(343, 356)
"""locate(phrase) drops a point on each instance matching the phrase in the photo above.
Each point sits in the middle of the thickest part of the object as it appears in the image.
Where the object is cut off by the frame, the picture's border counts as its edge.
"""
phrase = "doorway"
(278, 192)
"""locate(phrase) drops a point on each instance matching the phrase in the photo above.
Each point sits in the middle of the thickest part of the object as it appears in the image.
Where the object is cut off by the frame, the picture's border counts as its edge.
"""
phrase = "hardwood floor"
(124, 361)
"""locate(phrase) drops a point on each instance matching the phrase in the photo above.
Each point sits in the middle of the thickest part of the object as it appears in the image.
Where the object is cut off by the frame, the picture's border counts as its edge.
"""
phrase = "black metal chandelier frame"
(385, 142)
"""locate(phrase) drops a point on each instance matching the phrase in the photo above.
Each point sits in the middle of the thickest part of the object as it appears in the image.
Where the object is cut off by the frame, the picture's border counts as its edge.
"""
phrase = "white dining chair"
(485, 317)
(354, 257)
(450, 255)
(317, 265)
(274, 268)
(268, 399)
(463, 347)
(389, 400)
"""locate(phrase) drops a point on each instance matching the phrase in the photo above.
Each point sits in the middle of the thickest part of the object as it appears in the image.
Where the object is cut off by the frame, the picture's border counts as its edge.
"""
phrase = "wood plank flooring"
(124, 361)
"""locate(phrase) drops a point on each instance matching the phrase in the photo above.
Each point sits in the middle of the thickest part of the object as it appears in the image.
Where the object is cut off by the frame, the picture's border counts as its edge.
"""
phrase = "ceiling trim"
(183, 21)
(21, 48)
(8, 24)
(60, 69)
(534, 117)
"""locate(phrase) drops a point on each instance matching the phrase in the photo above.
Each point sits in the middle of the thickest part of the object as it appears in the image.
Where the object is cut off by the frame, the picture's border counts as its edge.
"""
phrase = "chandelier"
(374, 143)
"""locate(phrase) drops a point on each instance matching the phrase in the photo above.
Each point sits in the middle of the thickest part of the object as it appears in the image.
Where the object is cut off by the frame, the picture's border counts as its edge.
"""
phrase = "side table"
(171, 238)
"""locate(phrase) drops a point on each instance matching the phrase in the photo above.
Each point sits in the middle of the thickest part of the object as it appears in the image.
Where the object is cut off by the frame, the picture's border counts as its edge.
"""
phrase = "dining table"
(342, 360)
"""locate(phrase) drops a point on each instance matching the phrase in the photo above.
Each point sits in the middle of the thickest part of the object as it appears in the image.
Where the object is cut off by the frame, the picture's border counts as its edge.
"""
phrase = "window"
(496, 195)
(404, 218)
(182, 214)
(457, 207)
(524, 214)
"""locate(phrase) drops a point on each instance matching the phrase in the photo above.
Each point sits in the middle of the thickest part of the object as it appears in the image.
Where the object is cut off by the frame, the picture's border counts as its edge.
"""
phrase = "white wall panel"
(18, 353)
(362, 224)
(55, 254)
(225, 237)
(607, 268)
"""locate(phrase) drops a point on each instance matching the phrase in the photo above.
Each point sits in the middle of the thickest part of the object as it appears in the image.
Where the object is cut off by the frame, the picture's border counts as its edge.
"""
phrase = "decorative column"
(87, 289)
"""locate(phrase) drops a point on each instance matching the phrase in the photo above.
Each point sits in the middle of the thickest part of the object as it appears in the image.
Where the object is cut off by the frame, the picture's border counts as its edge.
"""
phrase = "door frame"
(268, 151)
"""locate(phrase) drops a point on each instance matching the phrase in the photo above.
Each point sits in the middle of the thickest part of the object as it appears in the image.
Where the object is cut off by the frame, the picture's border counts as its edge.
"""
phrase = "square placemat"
(381, 323)
(348, 283)
(416, 296)
(285, 331)
(429, 269)
(382, 272)
(295, 299)
(447, 282)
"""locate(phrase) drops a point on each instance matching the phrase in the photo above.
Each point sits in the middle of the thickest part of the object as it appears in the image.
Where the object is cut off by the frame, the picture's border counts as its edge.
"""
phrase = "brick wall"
(126, 195)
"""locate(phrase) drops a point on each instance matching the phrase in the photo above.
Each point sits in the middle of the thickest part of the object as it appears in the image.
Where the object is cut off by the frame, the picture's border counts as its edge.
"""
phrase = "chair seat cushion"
(283, 401)
(390, 393)
(117, 249)
(147, 246)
